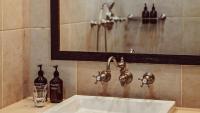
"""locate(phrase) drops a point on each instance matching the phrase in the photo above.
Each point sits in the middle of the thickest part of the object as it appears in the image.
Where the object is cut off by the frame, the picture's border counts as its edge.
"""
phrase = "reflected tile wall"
(191, 35)
(191, 8)
(86, 37)
(165, 38)
(79, 11)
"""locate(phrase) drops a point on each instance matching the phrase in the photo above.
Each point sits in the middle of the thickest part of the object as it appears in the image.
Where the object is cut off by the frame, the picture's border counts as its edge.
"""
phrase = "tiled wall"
(173, 82)
(37, 35)
(11, 52)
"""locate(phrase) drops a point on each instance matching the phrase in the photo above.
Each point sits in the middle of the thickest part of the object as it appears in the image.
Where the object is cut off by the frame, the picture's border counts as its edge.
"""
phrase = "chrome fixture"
(103, 76)
(132, 50)
(147, 79)
(130, 17)
(106, 16)
(125, 77)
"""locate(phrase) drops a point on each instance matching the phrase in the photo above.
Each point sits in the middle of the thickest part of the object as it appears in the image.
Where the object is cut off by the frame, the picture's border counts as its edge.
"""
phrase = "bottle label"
(55, 87)
(40, 85)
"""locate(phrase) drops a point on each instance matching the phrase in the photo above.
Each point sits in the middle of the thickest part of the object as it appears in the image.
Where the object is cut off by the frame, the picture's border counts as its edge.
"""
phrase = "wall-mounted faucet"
(125, 77)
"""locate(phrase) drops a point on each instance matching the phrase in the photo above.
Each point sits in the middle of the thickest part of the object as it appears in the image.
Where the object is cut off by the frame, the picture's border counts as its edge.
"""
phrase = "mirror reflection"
(140, 26)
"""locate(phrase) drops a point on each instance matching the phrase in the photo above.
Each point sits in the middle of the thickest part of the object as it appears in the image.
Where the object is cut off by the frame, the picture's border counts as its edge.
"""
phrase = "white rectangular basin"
(97, 104)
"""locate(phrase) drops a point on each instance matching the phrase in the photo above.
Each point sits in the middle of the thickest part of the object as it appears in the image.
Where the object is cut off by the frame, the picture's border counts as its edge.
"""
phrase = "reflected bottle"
(145, 15)
(153, 15)
(56, 87)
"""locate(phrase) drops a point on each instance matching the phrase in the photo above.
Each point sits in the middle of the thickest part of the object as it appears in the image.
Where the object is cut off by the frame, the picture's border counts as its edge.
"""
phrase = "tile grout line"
(2, 13)
(182, 65)
(181, 85)
(76, 77)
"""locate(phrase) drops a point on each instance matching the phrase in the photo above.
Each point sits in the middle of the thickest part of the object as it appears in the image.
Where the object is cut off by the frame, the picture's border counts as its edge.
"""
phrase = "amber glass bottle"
(56, 87)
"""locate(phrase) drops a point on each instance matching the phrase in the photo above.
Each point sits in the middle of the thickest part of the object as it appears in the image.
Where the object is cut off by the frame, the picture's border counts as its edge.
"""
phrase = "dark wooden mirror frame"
(56, 54)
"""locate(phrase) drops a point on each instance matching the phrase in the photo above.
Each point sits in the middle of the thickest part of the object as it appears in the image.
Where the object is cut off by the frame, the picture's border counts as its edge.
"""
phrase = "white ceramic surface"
(97, 104)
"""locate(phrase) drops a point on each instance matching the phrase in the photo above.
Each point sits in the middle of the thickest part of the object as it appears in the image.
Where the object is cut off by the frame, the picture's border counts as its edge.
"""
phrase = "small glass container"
(39, 95)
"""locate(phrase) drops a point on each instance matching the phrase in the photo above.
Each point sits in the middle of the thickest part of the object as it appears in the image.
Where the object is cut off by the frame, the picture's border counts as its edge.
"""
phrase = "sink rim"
(79, 97)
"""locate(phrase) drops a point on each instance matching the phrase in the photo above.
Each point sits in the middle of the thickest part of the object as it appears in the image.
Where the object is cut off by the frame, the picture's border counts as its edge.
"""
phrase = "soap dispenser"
(153, 15)
(145, 15)
(40, 80)
(56, 87)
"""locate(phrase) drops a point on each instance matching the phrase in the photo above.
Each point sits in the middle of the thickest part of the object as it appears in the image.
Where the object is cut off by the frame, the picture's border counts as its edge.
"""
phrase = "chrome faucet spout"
(125, 77)
(110, 59)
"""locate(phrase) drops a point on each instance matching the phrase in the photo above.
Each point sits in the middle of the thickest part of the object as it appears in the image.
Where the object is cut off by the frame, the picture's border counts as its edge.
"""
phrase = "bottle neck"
(40, 76)
(56, 76)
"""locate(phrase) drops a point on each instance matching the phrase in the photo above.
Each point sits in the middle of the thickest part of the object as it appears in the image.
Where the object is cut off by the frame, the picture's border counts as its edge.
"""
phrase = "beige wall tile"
(167, 76)
(191, 8)
(26, 65)
(12, 66)
(79, 11)
(84, 37)
(12, 14)
(191, 35)
(40, 54)
(191, 86)
(37, 13)
(26, 13)
(1, 6)
(1, 77)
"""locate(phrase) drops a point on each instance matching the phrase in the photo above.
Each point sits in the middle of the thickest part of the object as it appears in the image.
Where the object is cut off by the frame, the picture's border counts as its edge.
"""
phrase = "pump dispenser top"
(56, 73)
(40, 72)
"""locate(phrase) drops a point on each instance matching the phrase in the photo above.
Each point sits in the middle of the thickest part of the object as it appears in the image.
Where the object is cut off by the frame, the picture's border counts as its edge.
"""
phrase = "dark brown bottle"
(145, 15)
(40, 80)
(153, 15)
(56, 88)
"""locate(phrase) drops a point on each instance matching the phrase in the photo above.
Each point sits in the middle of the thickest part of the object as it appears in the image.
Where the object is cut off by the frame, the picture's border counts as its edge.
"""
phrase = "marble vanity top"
(27, 106)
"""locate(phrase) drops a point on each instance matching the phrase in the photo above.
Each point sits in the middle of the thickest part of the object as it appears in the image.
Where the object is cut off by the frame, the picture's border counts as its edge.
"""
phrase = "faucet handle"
(147, 79)
(103, 76)
(97, 77)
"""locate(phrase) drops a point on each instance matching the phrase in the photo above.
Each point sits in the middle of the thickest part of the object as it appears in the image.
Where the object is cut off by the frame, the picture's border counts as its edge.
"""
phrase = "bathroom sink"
(97, 104)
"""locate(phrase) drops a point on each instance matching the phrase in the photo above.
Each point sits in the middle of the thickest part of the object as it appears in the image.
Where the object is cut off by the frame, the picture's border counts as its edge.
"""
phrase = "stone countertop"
(186, 110)
(27, 106)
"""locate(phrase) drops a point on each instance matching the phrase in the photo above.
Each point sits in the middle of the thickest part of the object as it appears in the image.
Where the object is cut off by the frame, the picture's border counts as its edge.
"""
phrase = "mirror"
(97, 29)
